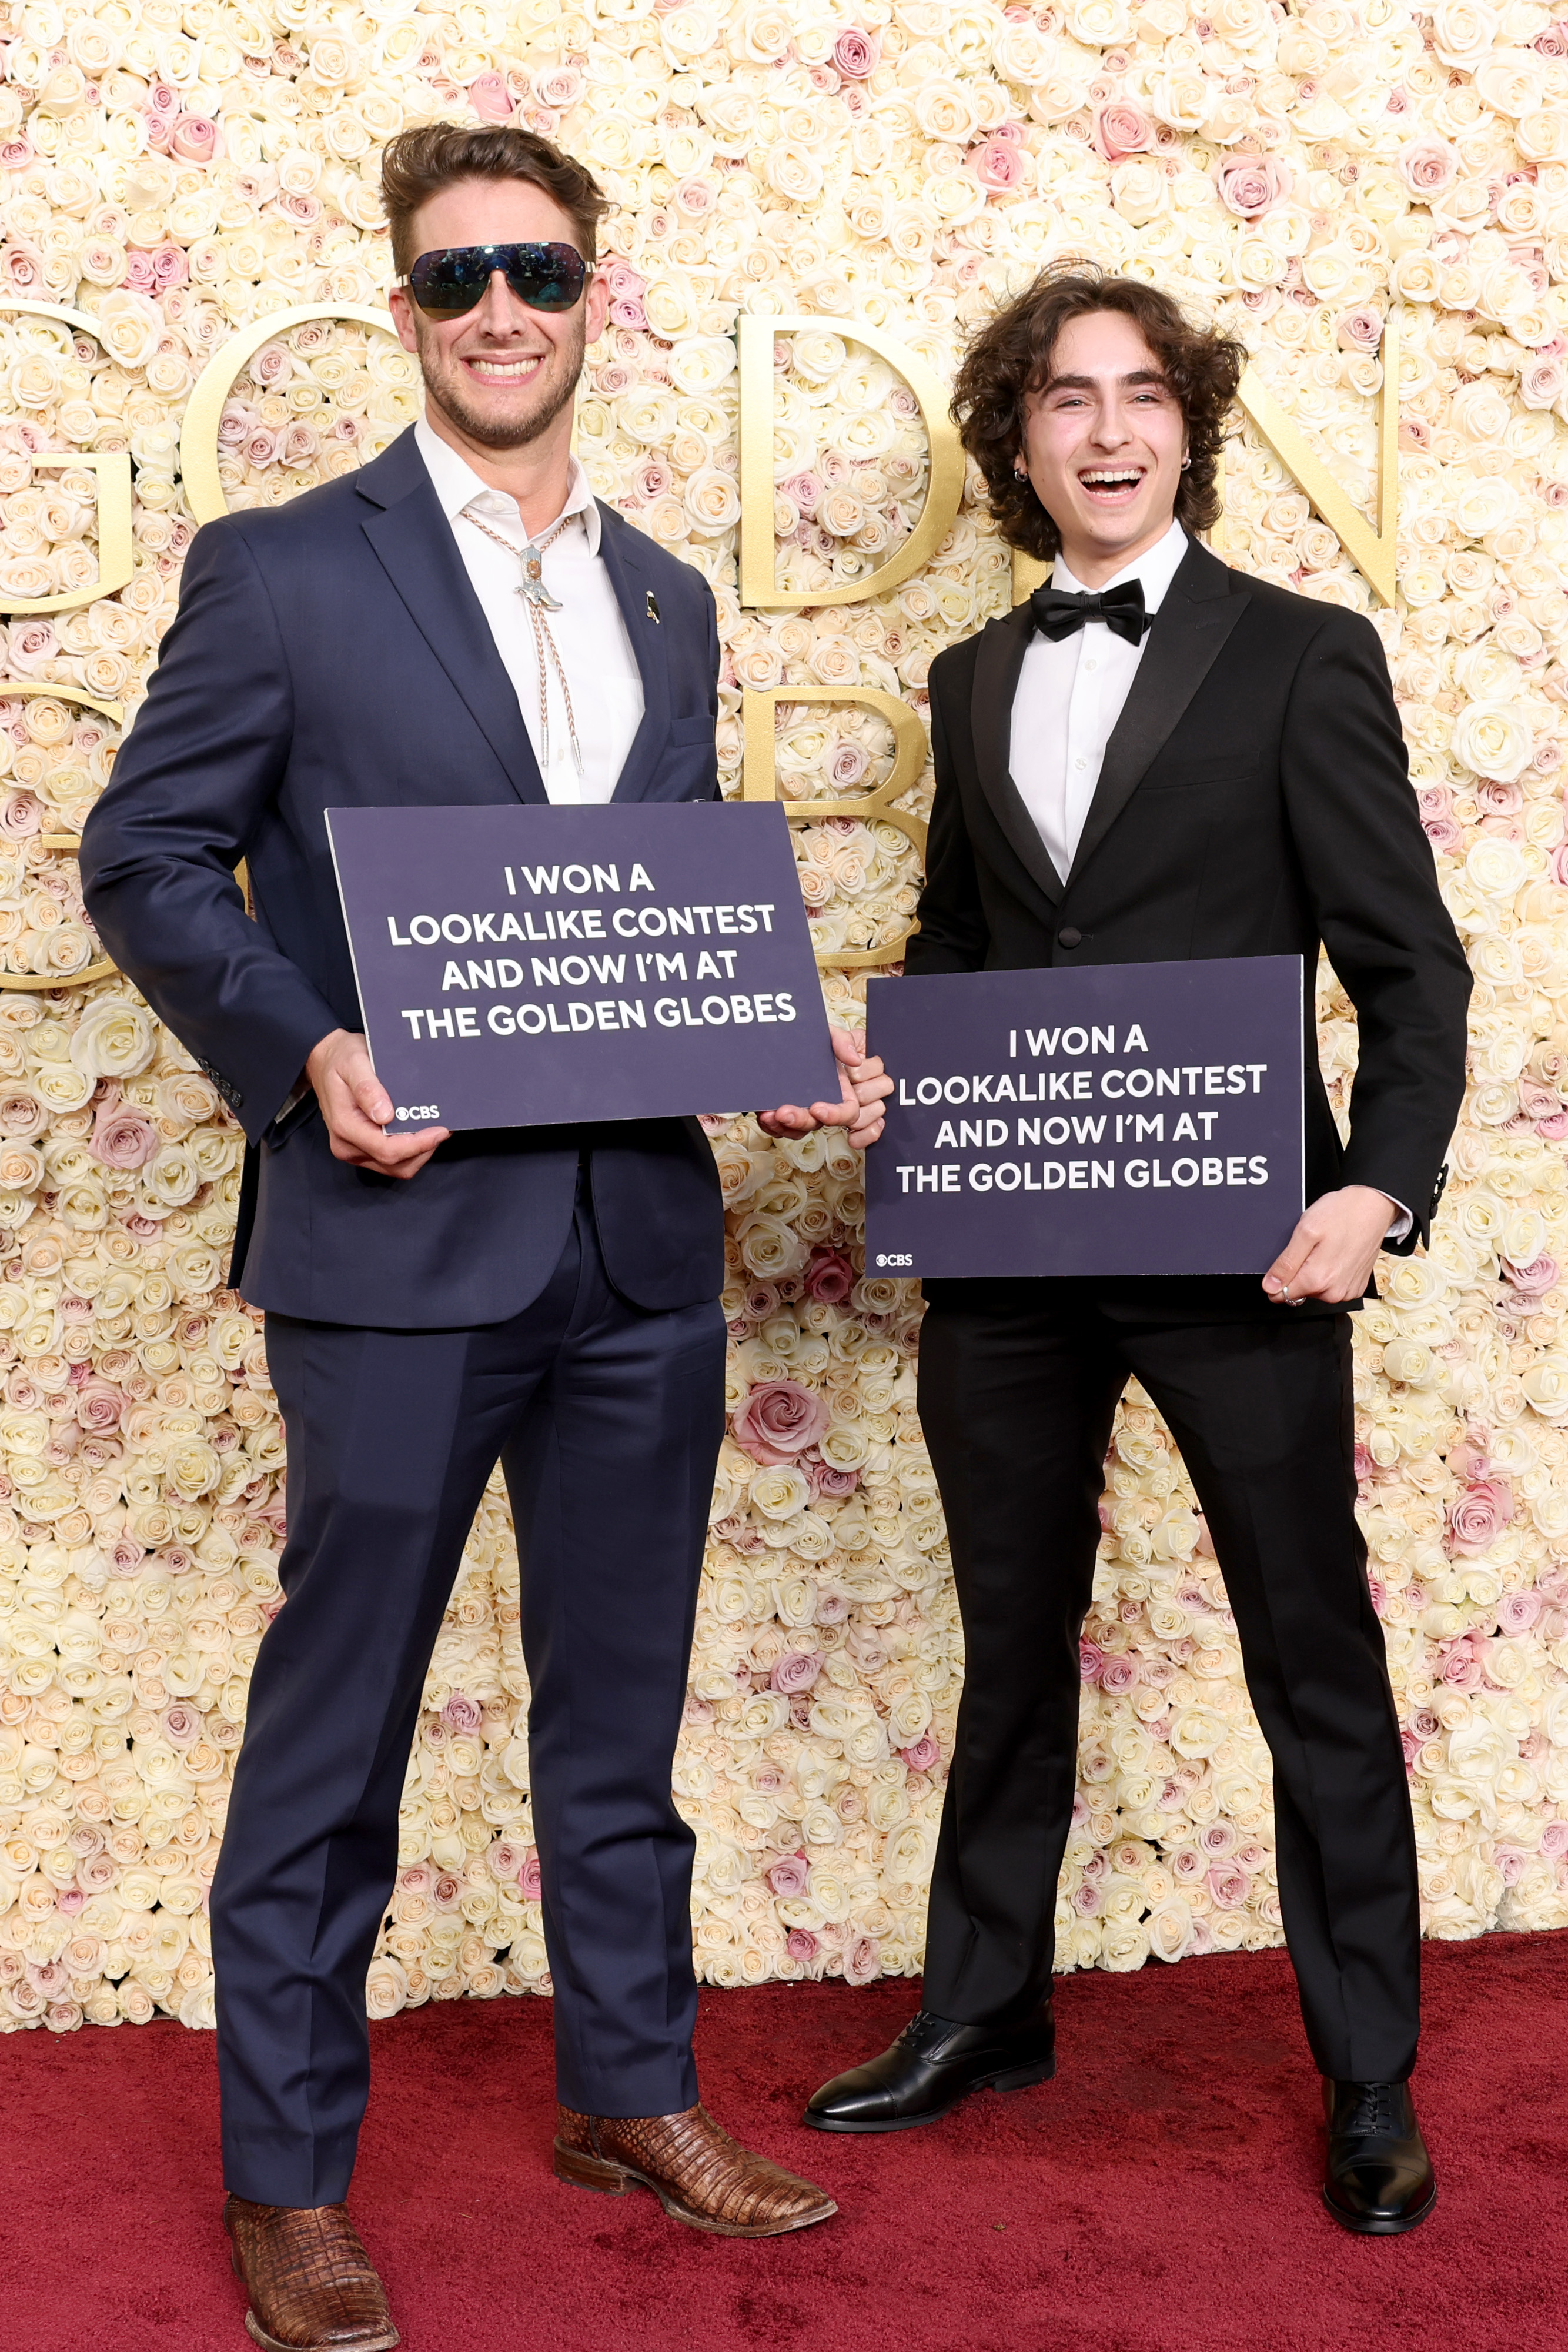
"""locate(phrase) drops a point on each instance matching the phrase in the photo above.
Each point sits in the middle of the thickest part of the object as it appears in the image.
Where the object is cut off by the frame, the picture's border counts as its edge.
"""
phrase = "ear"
(402, 309)
(597, 306)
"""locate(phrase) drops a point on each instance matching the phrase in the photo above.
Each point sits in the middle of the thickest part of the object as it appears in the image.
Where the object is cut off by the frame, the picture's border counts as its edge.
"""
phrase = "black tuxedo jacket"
(331, 653)
(1254, 800)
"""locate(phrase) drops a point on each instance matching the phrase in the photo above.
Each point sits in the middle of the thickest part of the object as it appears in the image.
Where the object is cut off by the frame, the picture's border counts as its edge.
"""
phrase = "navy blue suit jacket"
(332, 652)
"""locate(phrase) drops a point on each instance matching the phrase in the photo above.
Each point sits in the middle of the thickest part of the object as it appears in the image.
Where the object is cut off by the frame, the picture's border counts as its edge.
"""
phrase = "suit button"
(1068, 937)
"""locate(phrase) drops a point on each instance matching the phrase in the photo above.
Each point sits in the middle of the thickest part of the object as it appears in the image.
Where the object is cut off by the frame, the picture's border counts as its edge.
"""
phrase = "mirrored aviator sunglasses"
(454, 279)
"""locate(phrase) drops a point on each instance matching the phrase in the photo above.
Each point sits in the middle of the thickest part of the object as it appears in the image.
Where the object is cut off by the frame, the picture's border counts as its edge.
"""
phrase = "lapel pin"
(653, 612)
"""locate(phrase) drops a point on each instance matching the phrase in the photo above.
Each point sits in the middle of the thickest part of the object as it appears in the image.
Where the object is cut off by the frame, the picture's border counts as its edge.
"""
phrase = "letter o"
(429, 935)
(463, 932)
(574, 971)
(715, 1020)
(1053, 1131)
(1074, 1041)
(956, 1090)
(530, 1019)
(651, 922)
(935, 1093)
(1192, 1171)
(1140, 1083)
(568, 884)
(1009, 1177)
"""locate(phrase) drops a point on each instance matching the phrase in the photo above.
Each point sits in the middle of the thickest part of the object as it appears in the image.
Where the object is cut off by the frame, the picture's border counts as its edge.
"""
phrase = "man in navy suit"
(459, 622)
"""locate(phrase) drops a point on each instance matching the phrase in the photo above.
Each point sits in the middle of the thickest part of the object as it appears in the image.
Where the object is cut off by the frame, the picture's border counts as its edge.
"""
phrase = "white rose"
(1492, 739)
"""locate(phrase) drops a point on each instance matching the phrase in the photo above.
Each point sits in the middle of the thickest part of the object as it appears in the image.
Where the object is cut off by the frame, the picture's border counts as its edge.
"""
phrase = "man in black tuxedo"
(1159, 758)
(547, 1295)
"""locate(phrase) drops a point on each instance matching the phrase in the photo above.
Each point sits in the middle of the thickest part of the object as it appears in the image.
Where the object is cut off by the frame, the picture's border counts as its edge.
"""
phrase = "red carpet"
(1160, 2195)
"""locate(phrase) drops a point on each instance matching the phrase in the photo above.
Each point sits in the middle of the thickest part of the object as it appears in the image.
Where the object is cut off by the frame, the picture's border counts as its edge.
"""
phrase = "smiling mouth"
(517, 369)
(1112, 486)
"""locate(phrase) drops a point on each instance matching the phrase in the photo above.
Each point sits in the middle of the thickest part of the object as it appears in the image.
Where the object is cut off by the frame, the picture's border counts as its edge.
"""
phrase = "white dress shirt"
(1071, 693)
(590, 631)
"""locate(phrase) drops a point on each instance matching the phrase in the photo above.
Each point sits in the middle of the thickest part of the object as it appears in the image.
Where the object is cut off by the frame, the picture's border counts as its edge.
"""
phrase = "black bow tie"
(1057, 613)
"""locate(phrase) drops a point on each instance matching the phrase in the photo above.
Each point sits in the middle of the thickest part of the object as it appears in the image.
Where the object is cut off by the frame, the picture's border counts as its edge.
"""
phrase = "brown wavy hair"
(417, 164)
(1009, 358)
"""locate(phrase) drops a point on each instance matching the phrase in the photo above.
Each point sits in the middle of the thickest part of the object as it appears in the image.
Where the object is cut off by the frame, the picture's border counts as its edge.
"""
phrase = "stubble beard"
(553, 390)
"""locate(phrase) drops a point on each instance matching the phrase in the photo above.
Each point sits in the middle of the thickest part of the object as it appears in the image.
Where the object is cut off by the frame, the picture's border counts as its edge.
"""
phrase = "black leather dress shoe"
(1379, 2179)
(930, 2067)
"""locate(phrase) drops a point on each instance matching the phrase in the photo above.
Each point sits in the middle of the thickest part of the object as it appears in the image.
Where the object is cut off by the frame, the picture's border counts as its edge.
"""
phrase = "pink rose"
(1427, 166)
(830, 1276)
(32, 643)
(461, 1713)
(1122, 128)
(1461, 1667)
(797, 1670)
(1251, 185)
(857, 55)
(999, 165)
(16, 153)
(137, 272)
(801, 1944)
(123, 1138)
(183, 1724)
(862, 1961)
(1091, 1662)
(125, 1556)
(1361, 329)
(1534, 1280)
(1478, 1516)
(506, 1860)
(529, 1879)
(1229, 1886)
(1517, 1612)
(1540, 382)
(194, 139)
(923, 1755)
(790, 1875)
(1118, 1674)
(778, 1420)
(1554, 1840)
(826, 1479)
(489, 97)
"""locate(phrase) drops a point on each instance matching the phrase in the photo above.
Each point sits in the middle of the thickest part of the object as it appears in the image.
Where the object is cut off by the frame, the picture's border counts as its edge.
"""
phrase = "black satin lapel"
(618, 547)
(1186, 641)
(415, 543)
(996, 666)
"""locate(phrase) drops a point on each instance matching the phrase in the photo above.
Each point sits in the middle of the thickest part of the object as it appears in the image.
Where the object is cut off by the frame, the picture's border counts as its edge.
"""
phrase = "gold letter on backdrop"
(10, 692)
(116, 554)
(1373, 547)
(944, 483)
(759, 779)
(204, 409)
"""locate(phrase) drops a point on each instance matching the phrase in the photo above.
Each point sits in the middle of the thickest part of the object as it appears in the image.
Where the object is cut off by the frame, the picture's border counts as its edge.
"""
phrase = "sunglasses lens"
(543, 277)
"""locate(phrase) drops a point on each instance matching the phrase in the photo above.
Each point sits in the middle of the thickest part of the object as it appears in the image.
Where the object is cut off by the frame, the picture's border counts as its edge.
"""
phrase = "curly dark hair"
(1009, 358)
(418, 164)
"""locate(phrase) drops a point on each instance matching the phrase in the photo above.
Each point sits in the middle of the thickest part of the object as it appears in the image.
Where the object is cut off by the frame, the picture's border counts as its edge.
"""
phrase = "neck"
(536, 474)
(1094, 564)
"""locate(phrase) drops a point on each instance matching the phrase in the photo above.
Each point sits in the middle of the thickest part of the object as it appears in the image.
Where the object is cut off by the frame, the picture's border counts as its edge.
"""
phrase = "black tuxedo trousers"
(1018, 1383)
(606, 1418)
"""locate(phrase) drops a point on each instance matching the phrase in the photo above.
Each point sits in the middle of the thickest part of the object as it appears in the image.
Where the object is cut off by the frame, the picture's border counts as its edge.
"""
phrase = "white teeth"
(1130, 474)
(504, 371)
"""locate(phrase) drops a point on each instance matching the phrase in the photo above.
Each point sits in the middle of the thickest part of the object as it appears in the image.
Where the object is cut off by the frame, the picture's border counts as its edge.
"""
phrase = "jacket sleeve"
(1372, 886)
(953, 934)
(191, 784)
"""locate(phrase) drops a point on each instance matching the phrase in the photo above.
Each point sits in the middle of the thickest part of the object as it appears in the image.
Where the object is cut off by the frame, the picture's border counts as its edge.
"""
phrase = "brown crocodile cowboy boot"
(312, 2288)
(695, 2170)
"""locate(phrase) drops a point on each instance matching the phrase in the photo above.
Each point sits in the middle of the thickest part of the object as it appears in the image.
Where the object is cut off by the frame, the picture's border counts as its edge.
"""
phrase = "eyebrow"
(1091, 383)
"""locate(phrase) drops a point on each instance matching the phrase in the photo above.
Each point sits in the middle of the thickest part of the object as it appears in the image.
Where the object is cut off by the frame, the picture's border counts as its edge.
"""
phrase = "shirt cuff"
(1402, 1223)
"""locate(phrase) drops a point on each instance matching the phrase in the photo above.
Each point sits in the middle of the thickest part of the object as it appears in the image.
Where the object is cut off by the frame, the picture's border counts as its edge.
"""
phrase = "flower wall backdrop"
(170, 172)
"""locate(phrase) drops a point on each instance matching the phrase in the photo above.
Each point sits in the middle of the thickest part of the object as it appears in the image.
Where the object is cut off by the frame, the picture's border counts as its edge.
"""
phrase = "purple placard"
(523, 965)
(1125, 1118)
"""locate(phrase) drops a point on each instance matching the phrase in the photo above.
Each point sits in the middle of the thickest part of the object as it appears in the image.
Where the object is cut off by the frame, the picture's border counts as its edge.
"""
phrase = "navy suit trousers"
(607, 1420)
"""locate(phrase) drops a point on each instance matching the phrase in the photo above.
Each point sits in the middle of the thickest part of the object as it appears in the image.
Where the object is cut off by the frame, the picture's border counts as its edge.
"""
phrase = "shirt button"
(1069, 937)
(1088, 665)
(1078, 763)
